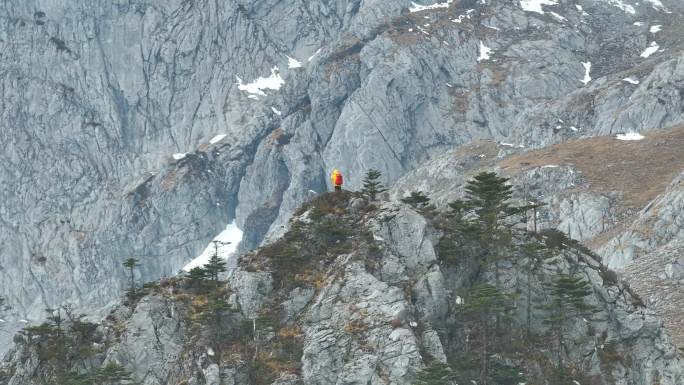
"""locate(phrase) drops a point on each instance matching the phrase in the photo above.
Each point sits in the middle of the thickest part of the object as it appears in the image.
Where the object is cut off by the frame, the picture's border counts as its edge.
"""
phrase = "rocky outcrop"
(659, 278)
(658, 224)
(367, 295)
(112, 115)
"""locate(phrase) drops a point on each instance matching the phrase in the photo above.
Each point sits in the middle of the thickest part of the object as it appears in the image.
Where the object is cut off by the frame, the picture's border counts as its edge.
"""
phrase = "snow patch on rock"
(293, 63)
(228, 241)
(257, 87)
(630, 136)
(587, 72)
(217, 138)
(419, 8)
(485, 52)
(536, 5)
(653, 48)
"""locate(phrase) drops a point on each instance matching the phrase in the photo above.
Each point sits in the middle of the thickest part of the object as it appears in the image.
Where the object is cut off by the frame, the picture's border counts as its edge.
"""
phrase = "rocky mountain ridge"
(360, 292)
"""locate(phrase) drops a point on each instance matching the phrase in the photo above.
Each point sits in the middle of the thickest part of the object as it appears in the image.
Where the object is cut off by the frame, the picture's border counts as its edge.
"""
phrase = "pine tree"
(212, 313)
(417, 200)
(568, 295)
(196, 277)
(130, 264)
(371, 185)
(484, 304)
(488, 195)
(216, 264)
(437, 373)
(459, 209)
(55, 316)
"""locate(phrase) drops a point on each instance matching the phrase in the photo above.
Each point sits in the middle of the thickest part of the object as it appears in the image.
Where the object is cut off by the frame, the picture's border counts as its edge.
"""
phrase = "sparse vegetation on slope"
(502, 305)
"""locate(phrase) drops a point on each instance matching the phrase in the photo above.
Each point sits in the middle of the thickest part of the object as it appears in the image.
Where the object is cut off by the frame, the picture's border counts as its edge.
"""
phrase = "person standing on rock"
(337, 180)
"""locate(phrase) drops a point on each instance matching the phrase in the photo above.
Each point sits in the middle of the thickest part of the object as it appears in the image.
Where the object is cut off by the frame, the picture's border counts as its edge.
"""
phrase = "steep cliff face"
(141, 128)
(358, 293)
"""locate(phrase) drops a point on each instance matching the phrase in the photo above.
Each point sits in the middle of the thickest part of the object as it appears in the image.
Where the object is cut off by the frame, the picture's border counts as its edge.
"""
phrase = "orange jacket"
(336, 178)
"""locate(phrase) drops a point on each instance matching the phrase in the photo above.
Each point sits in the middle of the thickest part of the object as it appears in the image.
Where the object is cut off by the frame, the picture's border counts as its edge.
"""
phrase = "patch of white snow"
(293, 63)
(630, 136)
(228, 241)
(587, 72)
(217, 138)
(273, 82)
(653, 48)
(639, 23)
(485, 52)
(623, 6)
(631, 81)
(276, 111)
(179, 155)
(557, 16)
(656, 28)
(314, 55)
(536, 5)
(419, 8)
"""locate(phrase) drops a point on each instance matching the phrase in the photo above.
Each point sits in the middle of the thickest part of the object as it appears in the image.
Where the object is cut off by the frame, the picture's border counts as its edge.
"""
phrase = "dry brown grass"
(639, 169)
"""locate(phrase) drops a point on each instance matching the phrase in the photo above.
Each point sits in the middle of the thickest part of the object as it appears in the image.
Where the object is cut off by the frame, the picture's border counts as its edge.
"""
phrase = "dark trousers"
(338, 188)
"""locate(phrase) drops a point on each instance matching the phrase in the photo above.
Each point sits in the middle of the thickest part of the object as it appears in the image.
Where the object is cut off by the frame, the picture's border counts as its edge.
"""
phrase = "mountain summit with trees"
(359, 290)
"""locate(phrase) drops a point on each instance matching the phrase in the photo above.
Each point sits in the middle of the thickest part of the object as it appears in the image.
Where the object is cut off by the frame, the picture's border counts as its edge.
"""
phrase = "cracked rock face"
(141, 128)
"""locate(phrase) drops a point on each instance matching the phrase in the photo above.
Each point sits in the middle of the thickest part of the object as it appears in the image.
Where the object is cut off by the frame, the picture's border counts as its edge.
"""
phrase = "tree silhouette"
(371, 185)
(196, 277)
(484, 304)
(488, 195)
(216, 264)
(212, 313)
(568, 296)
(130, 264)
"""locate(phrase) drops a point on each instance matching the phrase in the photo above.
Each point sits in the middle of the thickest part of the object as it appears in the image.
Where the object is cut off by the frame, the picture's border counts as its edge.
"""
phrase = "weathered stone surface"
(252, 291)
(658, 224)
